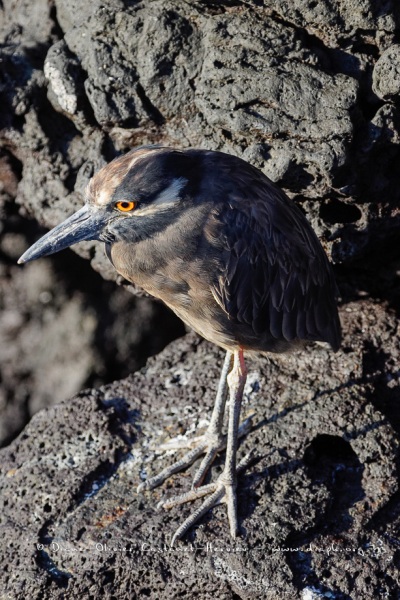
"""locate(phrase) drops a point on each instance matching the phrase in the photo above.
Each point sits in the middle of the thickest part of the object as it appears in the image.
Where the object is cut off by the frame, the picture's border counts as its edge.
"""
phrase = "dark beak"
(86, 224)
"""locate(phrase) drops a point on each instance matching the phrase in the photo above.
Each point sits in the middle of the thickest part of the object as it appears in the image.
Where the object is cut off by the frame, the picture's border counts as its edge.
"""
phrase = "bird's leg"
(224, 489)
(211, 442)
(213, 435)
(236, 381)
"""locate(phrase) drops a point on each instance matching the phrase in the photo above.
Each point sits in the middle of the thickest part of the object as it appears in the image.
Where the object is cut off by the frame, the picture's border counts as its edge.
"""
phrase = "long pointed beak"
(85, 224)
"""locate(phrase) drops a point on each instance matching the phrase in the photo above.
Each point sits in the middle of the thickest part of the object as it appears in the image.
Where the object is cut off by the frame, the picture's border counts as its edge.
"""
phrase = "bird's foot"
(210, 443)
(222, 491)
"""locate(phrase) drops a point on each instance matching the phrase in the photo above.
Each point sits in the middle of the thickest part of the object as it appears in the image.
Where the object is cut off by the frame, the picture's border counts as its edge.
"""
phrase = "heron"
(226, 249)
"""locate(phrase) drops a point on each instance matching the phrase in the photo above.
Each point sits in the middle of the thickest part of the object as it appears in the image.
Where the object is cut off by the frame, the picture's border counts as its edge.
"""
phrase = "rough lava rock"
(289, 86)
(386, 75)
(318, 508)
(306, 91)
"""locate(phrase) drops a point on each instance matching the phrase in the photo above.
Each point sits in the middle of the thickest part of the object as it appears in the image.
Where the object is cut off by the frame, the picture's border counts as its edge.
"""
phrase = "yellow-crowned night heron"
(229, 253)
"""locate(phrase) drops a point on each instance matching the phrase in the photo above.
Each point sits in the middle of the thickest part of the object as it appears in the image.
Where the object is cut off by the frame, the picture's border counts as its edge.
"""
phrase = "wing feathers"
(275, 276)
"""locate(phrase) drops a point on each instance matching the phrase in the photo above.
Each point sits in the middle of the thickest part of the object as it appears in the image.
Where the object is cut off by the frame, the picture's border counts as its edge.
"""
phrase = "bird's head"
(132, 197)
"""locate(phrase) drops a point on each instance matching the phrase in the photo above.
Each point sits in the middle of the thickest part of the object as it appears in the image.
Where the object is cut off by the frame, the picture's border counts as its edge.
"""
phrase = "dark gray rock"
(262, 104)
(303, 90)
(334, 22)
(28, 23)
(386, 76)
(317, 508)
(62, 71)
(287, 86)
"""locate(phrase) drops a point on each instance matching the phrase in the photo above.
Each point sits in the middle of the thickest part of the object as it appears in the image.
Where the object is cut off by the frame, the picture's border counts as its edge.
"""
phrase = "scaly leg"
(224, 489)
(212, 442)
(215, 438)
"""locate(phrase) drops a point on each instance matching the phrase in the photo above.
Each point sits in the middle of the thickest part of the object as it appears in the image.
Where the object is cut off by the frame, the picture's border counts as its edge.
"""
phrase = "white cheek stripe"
(165, 200)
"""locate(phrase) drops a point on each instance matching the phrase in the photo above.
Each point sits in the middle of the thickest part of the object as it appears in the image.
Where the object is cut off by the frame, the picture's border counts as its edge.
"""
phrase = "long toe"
(222, 493)
(219, 492)
(176, 467)
(209, 444)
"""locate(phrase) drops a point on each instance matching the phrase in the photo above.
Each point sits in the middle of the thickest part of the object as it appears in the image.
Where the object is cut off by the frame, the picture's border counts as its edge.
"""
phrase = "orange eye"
(125, 205)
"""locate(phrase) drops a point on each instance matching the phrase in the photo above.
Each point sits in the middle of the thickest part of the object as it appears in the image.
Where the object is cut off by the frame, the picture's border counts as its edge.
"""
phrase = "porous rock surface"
(305, 91)
(309, 93)
(318, 508)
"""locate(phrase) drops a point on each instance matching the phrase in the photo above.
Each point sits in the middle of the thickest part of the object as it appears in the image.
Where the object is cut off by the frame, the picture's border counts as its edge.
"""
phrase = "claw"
(221, 491)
